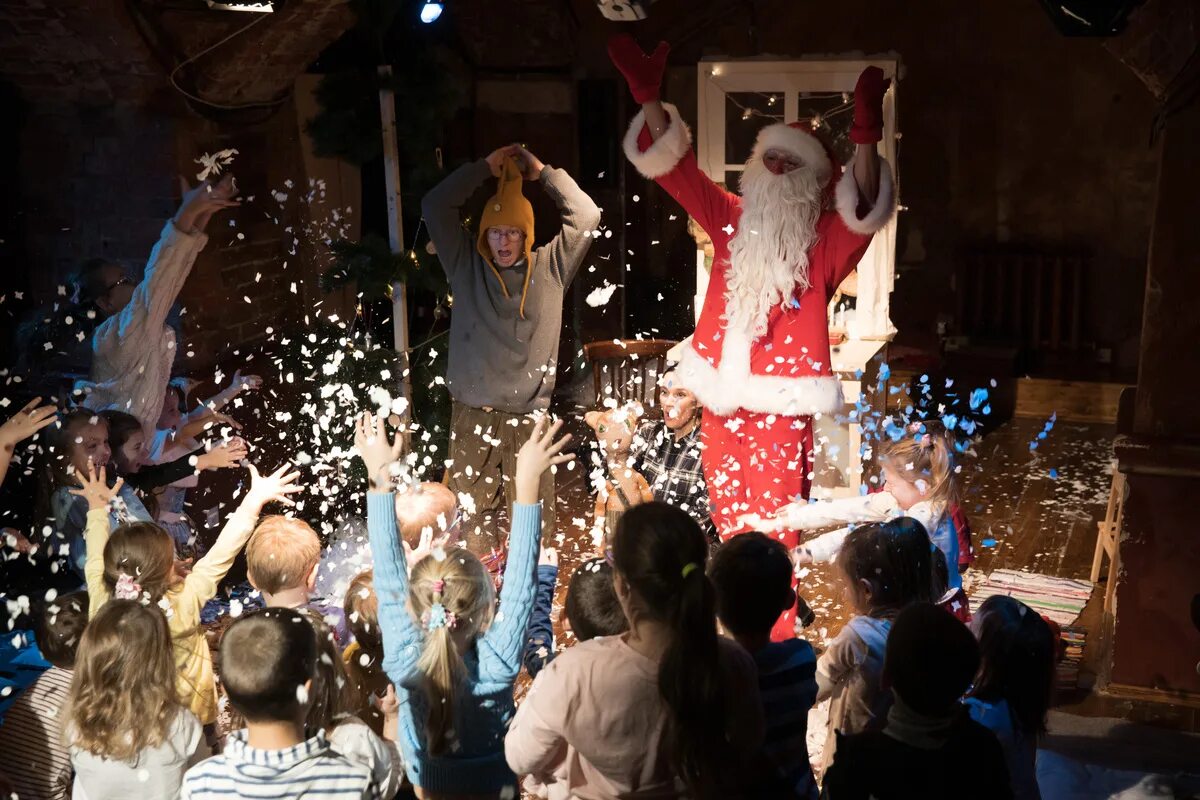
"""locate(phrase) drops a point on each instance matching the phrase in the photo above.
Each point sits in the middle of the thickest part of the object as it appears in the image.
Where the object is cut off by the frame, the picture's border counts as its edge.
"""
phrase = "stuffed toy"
(620, 486)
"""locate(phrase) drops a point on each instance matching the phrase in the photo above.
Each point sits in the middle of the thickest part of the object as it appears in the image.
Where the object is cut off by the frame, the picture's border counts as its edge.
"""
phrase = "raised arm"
(441, 208)
(20, 426)
(99, 495)
(580, 216)
(226, 455)
(501, 647)
(659, 144)
(401, 637)
(200, 585)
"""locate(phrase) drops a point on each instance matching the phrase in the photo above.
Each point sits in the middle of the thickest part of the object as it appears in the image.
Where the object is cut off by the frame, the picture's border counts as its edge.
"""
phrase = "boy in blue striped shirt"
(267, 664)
(752, 574)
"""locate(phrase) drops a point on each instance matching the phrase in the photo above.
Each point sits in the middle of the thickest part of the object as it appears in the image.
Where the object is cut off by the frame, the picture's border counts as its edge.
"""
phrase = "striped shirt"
(35, 759)
(311, 770)
(788, 684)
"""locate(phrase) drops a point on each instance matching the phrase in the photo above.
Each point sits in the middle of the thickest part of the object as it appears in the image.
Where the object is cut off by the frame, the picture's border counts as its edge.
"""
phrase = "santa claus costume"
(759, 361)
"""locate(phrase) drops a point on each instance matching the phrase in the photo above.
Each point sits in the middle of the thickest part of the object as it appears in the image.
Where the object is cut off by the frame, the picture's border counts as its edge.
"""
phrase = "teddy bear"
(621, 486)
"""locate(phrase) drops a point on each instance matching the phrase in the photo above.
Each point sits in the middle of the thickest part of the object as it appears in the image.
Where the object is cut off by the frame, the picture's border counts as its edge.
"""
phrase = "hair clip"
(438, 617)
(689, 568)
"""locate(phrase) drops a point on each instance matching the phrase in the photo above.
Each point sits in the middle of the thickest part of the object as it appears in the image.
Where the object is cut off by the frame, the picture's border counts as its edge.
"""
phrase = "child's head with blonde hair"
(139, 562)
(283, 554)
(919, 465)
(427, 506)
(123, 695)
(452, 596)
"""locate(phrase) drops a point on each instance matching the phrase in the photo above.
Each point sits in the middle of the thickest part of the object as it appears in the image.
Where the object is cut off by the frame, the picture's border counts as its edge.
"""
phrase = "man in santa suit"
(759, 359)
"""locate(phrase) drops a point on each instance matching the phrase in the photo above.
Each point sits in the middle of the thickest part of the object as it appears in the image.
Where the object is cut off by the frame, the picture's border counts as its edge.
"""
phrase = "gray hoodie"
(497, 359)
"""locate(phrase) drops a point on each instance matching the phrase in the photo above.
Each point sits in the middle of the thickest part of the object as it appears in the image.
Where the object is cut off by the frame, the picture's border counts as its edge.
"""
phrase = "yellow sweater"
(196, 681)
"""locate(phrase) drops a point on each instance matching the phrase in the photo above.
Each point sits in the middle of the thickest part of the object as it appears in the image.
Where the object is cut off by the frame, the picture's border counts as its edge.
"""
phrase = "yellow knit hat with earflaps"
(508, 208)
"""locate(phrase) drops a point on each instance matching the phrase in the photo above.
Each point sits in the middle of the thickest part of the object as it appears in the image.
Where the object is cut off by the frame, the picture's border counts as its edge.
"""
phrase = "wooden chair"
(1108, 538)
(628, 369)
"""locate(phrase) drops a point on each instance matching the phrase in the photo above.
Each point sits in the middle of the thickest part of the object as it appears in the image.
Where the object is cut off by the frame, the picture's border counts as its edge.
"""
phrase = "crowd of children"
(677, 684)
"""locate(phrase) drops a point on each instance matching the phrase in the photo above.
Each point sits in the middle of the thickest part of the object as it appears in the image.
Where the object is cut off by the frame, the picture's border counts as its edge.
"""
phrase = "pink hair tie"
(438, 586)
(127, 588)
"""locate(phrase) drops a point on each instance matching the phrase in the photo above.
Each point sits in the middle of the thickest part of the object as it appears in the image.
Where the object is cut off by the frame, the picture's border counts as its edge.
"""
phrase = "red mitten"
(868, 106)
(643, 73)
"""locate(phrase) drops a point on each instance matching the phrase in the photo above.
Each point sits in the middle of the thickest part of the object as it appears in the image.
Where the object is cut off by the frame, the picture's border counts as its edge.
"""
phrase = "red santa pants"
(753, 464)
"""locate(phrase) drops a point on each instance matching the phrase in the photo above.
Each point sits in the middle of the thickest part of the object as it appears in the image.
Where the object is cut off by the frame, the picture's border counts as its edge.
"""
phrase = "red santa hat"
(799, 139)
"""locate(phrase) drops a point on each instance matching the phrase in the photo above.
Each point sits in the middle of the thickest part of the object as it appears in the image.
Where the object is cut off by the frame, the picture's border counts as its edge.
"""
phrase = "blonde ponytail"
(925, 456)
(452, 597)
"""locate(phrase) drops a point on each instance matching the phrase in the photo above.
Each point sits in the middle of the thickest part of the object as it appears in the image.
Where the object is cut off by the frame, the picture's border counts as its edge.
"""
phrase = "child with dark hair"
(752, 574)
(1013, 689)
(930, 747)
(669, 709)
(37, 761)
(885, 567)
(268, 665)
(592, 606)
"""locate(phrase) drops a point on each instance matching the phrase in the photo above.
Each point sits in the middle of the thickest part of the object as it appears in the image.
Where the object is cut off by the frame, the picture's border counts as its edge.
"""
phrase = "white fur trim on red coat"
(798, 142)
(666, 151)
(730, 386)
(881, 209)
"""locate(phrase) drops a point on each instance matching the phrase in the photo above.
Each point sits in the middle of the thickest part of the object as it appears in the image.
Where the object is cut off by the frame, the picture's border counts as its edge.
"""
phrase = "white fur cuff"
(881, 210)
(665, 153)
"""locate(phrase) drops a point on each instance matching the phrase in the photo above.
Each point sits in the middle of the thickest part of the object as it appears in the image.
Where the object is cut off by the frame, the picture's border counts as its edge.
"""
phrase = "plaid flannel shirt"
(674, 470)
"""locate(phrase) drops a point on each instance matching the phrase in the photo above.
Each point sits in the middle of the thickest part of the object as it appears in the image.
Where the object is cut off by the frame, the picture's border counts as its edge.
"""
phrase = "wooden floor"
(1024, 516)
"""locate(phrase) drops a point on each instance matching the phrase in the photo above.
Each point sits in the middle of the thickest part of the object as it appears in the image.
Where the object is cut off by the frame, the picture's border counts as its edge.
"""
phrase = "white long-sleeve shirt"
(878, 507)
(132, 351)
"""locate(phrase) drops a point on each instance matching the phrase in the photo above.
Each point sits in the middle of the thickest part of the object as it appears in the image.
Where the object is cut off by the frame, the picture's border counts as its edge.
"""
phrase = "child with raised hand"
(885, 567)
(331, 701)
(668, 709)
(920, 482)
(753, 578)
(269, 668)
(37, 760)
(128, 732)
(929, 747)
(451, 654)
(138, 562)
(77, 441)
(1015, 683)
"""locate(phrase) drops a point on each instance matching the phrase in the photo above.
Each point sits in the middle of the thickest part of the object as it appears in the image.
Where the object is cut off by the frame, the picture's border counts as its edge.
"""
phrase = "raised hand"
(537, 455)
(868, 106)
(224, 456)
(643, 73)
(495, 159)
(95, 488)
(763, 524)
(272, 488)
(25, 423)
(532, 166)
(245, 383)
(203, 200)
(371, 442)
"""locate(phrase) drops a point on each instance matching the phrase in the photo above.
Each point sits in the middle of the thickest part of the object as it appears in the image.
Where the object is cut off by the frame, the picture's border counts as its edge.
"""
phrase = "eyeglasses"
(121, 282)
(500, 234)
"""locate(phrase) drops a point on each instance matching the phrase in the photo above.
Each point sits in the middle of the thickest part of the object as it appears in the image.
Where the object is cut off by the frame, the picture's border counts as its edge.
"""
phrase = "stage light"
(431, 11)
(261, 7)
(623, 10)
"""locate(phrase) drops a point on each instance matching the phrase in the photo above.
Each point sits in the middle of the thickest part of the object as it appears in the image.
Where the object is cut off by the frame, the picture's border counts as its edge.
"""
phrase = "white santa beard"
(768, 255)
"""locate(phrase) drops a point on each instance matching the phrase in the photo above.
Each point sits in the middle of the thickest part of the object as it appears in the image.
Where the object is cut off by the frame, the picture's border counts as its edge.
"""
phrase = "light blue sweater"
(481, 717)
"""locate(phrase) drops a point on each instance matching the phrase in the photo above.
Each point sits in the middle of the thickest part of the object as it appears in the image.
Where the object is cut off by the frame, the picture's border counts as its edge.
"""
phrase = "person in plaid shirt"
(668, 453)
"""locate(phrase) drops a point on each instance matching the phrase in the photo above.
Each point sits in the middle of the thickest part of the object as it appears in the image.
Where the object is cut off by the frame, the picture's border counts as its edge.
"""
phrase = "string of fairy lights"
(749, 112)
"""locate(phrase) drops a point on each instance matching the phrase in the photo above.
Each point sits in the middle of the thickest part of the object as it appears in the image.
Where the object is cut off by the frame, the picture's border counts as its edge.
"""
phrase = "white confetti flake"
(601, 295)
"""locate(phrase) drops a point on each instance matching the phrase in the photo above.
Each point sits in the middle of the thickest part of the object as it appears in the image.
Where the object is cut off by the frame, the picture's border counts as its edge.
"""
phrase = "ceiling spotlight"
(261, 6)
(624, 10)
(431, 11)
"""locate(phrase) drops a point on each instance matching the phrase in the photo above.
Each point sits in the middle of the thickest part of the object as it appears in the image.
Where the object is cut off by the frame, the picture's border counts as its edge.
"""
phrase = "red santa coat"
(787, 371)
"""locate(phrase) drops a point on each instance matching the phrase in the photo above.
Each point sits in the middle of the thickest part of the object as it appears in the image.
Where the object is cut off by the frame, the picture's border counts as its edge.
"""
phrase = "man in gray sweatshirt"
(504, 327)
